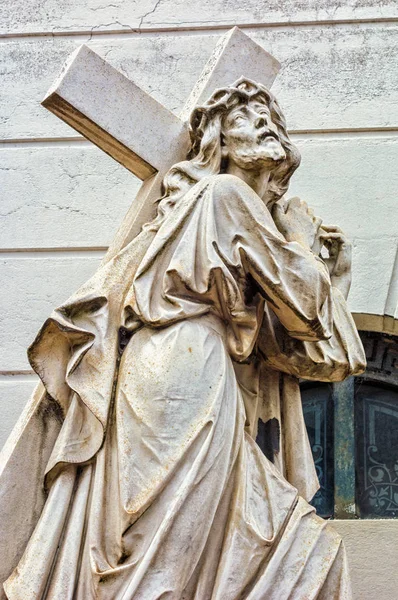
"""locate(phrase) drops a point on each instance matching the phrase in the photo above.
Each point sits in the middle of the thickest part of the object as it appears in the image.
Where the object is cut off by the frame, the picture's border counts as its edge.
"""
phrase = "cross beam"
(113, 112)
(140, 133)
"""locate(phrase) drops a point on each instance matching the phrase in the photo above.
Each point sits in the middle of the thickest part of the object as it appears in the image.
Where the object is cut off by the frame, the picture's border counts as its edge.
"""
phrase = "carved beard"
(265, 152)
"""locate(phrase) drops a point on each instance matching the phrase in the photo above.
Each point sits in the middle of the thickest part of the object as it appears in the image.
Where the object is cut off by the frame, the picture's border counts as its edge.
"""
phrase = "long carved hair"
(205, 128)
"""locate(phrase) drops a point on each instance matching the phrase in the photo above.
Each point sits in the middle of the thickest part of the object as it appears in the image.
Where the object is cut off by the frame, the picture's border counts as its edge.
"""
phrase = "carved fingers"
(339, 248)
(340, 256)
(296, 221)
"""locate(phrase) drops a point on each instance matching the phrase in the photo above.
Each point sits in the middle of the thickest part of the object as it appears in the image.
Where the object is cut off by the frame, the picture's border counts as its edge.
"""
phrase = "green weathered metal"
(344, 450)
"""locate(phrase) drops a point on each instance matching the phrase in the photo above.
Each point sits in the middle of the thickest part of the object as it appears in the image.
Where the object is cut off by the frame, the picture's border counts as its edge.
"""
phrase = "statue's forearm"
(342, 283)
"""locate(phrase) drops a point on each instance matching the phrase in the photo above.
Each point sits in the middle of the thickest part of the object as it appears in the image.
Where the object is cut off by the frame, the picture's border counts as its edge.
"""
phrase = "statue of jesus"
(162, 365)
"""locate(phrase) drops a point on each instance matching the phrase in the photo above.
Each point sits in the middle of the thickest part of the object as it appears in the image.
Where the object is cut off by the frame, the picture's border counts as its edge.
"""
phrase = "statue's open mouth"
(266, 134)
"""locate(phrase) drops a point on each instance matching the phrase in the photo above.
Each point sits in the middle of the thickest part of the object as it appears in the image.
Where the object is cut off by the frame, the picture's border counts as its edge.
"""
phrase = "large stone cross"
(128, 124)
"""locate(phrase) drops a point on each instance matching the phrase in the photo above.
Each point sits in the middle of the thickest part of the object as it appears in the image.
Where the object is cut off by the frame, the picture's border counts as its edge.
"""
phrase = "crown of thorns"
(222, 100)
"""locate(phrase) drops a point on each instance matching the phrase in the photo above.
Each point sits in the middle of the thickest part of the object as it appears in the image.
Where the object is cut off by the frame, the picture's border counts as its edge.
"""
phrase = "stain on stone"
(268, 437)
(124, 338)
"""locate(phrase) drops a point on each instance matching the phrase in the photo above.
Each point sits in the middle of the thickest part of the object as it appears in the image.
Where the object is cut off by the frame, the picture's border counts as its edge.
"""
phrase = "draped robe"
(162, 365)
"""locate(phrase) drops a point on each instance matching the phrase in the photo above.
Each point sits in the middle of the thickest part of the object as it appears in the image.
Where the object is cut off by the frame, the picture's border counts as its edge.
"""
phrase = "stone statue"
(164, 362)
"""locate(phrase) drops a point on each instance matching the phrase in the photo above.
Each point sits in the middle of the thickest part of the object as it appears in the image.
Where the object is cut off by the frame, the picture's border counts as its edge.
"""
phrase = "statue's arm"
(297, 287)
(339, 356)
(276, 251)
(293, 280)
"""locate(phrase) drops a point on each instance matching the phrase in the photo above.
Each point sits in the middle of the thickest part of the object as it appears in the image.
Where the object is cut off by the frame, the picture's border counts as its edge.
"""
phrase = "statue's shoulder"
(229, 195)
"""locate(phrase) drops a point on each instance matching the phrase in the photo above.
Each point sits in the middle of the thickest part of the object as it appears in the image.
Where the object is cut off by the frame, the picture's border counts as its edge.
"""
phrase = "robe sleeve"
(329, 360)
(294, 282)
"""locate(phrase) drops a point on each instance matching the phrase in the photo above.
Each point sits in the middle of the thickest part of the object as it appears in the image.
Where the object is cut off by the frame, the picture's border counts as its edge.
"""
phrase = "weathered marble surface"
(323, 60)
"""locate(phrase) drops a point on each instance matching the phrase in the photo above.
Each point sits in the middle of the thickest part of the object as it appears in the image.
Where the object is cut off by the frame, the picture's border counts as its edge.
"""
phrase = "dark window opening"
(376, 433)
(353, 433)
(318, 415)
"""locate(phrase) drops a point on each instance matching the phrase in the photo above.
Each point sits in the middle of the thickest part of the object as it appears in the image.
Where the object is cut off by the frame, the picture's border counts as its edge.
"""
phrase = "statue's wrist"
(342, 283)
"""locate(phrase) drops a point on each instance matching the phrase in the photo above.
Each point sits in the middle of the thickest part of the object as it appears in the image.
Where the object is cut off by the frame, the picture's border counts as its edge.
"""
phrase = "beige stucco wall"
(372, 556)
(63, 199)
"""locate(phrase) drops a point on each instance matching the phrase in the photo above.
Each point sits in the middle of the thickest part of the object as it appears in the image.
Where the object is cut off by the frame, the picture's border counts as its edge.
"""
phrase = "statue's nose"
(260, 122)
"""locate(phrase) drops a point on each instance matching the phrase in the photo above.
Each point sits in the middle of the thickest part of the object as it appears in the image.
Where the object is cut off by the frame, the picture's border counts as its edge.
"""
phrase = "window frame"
(382, 370)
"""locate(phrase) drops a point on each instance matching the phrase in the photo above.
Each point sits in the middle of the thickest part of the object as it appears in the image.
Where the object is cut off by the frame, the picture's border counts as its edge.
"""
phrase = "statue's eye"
(238, 119)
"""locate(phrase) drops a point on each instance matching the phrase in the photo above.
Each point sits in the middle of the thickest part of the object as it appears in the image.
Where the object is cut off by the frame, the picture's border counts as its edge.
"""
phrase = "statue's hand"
(340, 256)
(297, 222)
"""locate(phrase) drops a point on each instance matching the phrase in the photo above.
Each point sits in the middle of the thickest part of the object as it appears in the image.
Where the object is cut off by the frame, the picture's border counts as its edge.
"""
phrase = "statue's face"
(250, 137)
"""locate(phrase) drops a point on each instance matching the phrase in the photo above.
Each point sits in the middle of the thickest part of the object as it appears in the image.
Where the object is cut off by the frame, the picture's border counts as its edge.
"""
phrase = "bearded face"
(250, 137)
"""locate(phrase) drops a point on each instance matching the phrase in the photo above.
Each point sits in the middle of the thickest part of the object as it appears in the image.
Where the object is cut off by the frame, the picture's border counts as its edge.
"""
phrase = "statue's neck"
(256, 178)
